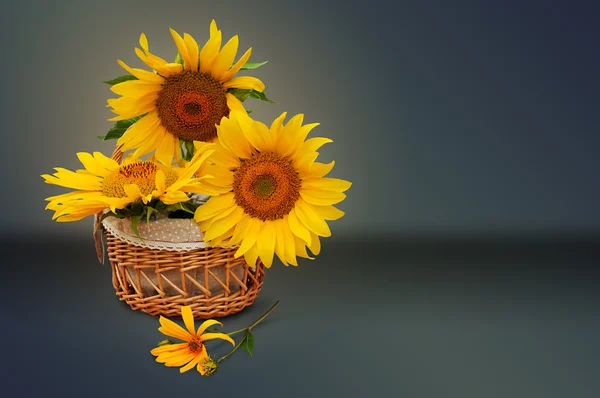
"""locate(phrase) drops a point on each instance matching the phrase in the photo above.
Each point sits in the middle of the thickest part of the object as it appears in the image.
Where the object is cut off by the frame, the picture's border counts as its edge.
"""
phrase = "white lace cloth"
(162, 233)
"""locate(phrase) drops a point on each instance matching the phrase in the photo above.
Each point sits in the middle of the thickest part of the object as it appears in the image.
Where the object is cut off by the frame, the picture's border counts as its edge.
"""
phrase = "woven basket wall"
(159, 282)
(210, 280)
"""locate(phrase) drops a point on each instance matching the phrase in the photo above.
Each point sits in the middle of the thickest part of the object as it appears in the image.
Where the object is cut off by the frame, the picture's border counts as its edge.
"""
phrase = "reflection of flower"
(273, 194)
(106, 184)
(193, 351)
(181, 101)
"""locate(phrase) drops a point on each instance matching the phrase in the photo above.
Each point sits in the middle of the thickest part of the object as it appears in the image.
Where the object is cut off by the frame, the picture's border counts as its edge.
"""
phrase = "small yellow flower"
(193, 351)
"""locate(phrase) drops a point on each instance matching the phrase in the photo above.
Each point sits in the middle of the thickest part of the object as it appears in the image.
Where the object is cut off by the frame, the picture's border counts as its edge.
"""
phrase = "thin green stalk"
(247, 330)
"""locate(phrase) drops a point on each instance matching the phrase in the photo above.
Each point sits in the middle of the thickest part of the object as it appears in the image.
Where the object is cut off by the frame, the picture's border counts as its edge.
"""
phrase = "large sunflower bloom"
(181, 101)
(193, 351)
(273, 197)
(104, 183)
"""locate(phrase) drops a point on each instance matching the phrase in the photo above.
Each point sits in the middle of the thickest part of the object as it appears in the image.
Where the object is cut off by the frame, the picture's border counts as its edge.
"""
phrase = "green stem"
(247, 330)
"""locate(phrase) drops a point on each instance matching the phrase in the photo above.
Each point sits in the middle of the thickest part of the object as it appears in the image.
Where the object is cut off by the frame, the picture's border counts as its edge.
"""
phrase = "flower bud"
(209, 367)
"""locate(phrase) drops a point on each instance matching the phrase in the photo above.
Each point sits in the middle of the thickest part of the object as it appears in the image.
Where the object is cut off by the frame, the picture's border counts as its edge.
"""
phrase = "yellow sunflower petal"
(315, 246)
(265, 242)
(210, 50)
(192, 50)
(234, 104)
(240, 230)
(89, 162)
(223, 225)
(213, 206)
(321, 197)
(287, 144)
(136, 88)
(236, 68)
(223, 61)
(132, 191)
(232, 137)
(174, 197)
(329, 184)
(317, 170)
(312, 145)
(68, 179)
(245, 82)
(297, 227)
(251, 255)
(183, 51)
(328, 212)
(280, 241)
(250, 238)
(301, 249)
(288, 242)
(151, 142)
(311, 219)
(141, 74)
(207, 224)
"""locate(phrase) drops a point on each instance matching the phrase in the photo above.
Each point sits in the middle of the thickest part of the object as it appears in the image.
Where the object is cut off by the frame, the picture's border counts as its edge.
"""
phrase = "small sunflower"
(193, 351)
(272, 194)
(104, 183)
(180, 101)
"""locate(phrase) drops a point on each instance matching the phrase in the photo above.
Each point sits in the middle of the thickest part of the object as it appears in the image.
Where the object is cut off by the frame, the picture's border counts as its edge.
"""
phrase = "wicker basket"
(159, 282)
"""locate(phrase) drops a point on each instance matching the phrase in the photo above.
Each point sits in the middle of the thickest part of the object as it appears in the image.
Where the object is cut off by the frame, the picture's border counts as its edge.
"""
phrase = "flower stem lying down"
(248, 340)
(192, 351)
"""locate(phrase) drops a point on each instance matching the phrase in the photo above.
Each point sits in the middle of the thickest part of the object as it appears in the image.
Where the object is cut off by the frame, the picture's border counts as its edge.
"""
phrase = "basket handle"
(98, 241)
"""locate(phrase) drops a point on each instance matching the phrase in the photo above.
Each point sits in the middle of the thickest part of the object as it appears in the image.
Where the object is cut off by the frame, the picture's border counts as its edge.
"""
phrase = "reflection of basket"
(210, 280)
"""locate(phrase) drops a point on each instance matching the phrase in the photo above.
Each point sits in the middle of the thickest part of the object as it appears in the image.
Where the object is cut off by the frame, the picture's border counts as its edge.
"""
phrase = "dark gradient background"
(467, 263)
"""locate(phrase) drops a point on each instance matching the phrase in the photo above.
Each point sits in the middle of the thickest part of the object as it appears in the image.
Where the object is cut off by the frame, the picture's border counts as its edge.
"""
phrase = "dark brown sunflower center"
(190, 104)
(266, 186)
(195, 345)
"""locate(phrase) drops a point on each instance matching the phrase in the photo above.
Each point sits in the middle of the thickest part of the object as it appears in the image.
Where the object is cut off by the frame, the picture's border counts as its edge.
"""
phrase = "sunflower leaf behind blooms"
(252, 65)
(243, 94)
(120, 79)
(119, 128)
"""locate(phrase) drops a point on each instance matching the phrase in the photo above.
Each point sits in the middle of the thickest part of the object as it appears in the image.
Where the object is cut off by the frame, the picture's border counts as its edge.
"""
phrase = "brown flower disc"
(190, 104)
(143, 174)
(266, 186)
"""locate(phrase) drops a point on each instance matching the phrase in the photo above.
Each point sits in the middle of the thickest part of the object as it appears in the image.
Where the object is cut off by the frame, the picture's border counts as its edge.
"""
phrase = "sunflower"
(193, 351)
(104, 183)
(180, 101)
(272, 194)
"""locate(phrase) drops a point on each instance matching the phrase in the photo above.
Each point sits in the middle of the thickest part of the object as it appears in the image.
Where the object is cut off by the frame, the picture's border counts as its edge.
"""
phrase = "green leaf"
(248, 343)
(120, 79)
(181, 206)
(149, 211)
(260, 95)
(242, 94)
(189, 149)
(213, 330)
(252, 65)
(134, 223)
(119, 128)
(178, 59)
